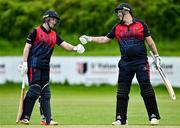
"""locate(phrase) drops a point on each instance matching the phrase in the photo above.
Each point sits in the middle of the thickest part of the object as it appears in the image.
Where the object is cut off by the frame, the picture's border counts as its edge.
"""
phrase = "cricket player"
(36, 58)
(131, 34)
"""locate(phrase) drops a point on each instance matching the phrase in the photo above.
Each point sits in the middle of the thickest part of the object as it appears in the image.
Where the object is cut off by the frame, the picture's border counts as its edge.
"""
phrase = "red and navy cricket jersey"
(43, 43)
(131, 40)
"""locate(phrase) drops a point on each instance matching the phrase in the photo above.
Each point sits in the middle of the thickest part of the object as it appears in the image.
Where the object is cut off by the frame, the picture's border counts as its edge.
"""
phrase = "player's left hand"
(157, 61)
(79, 48)
(23, 68)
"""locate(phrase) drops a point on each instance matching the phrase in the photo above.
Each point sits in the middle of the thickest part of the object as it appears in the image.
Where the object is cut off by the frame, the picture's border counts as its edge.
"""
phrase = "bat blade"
(166, 81)
(167, 84)
(20, 109)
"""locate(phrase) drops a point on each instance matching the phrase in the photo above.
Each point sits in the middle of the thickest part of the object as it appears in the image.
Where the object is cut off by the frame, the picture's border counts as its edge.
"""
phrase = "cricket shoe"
(118, 122)
(51, 123)
(24, 122)
(154, 121)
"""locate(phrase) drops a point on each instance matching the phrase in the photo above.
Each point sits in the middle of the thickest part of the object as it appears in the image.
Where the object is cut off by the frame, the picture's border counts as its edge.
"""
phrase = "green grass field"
(79, 106)
(15, 48)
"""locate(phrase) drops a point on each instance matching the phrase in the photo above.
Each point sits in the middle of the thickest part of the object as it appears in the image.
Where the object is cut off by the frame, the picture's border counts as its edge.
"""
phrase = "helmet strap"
(49, 25)
(122, 21)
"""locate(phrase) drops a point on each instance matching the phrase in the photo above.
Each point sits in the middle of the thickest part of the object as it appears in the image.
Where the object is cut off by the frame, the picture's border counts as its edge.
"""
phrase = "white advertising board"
(89, 70)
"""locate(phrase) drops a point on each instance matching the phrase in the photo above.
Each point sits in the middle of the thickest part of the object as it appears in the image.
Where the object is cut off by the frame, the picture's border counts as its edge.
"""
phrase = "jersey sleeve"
(146, 30)
(111, 34)
(31, 37)
(58, 40)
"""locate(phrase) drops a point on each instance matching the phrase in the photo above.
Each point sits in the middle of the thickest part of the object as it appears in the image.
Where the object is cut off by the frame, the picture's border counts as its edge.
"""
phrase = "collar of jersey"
(45, 29)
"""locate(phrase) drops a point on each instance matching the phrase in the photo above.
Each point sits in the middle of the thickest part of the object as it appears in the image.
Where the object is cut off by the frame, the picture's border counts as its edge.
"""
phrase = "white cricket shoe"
(118, 122)
(52, 122)
(24, 122)
(154, 121)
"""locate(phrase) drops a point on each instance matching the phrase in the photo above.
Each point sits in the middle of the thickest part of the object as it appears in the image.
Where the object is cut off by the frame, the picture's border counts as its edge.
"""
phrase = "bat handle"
(152, 55)
(23, 82)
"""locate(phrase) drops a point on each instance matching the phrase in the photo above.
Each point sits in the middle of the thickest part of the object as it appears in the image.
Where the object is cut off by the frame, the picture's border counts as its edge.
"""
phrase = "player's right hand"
(23, 68)
(79, 48)
(85, 39)
(157, 61)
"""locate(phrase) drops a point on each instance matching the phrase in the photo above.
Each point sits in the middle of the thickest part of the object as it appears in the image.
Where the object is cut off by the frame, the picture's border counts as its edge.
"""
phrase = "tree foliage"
(95, 17)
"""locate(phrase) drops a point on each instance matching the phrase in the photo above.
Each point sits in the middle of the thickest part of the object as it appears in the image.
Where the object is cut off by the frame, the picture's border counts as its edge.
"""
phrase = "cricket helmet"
(50, 13)
(124, 6)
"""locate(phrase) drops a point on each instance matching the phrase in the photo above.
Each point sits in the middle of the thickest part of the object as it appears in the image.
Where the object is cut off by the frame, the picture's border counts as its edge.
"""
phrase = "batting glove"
(79, 48)
(23, 68)
(85, 39)
(157, 61)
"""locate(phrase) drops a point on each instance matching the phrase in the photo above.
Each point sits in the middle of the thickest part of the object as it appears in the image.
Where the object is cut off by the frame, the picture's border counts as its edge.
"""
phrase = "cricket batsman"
(36, 58)
(131, 34)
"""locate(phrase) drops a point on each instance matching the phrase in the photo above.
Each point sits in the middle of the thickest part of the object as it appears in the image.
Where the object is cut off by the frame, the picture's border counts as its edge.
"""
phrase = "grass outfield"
(15, 48)
(89, 126)
(78, 106)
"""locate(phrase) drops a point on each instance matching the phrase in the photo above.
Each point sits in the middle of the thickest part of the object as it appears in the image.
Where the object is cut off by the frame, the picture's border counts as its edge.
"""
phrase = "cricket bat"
(20, 109)
(166, 81)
